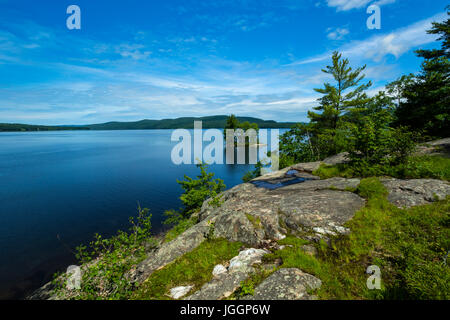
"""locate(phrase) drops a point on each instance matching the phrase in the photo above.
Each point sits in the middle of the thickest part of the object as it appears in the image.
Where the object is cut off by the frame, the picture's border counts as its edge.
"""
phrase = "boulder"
(286, 284)
(246, 259)
(439, 147)
(414, 192)
(179, 292)
(323, 211)
(219, 270)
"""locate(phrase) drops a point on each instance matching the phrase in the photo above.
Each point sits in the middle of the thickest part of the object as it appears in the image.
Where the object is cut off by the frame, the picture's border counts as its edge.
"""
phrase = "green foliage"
(193, 268)
(196, 191)
(107, 261)
(346, 95)
(423, 167)
(370, 188)
(255, 221)
(296, 146)
(341, 107)
(211, 230)
(234, 124)
(247, 287)
(255, 173)
(426, 103)
(397, 89)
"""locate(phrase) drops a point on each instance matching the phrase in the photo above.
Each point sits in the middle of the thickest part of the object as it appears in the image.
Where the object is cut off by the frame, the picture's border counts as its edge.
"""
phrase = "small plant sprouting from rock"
(211, 230)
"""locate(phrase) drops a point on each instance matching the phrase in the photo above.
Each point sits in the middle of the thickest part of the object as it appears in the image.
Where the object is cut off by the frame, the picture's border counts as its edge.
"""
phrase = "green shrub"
(422, 167)
(196, 191)
(107, 261)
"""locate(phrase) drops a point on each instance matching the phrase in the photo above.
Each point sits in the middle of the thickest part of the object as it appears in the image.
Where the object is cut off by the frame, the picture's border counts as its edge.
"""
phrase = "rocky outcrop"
(408, 193)
(251, 215)
(178, 292)
(170, 251)
(226, 282)
(299, 203)
(439, 147)
(286, 284)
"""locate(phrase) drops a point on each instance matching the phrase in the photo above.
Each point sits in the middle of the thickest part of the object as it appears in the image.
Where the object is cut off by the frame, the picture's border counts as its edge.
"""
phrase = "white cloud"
(395, 43)
(337, 34)
(345, 5)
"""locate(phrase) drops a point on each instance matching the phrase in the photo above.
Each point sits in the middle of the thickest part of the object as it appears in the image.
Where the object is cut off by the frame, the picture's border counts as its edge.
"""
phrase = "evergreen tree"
(232, 122)
(427, 104)
(396, 89)
(345, 97)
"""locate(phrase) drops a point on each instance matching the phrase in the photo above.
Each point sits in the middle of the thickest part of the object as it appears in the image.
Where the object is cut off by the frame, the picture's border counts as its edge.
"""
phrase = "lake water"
(57, 189)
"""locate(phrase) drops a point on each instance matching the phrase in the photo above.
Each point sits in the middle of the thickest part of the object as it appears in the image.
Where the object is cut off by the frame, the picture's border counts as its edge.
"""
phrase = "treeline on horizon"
(179, 123)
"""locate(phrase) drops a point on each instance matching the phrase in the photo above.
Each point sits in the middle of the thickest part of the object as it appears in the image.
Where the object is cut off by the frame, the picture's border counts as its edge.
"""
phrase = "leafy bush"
(106, 262)
(196, 191)
(250, 175)
(296, 146)
(431, 167)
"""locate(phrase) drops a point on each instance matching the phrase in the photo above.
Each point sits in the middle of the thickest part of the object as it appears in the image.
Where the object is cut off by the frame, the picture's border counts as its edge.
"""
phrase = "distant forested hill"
(27, 127)
(186, 123)
(179, 123)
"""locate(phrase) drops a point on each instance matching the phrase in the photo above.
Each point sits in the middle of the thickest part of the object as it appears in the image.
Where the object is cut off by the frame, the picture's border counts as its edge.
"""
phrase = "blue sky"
(164, 59)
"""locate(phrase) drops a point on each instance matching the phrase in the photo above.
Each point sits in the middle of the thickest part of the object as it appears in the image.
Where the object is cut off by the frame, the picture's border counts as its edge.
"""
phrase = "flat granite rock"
(286, 284)
(252, 215)
(324, 211)
(414, 192)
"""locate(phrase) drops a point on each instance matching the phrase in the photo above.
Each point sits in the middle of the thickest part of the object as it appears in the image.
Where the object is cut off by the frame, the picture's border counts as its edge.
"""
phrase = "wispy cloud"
(212, 62)
(345, 5)
(337, 33)
(393, 43)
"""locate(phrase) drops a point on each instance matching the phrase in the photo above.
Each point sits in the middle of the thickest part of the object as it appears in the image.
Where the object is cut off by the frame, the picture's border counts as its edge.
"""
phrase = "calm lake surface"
(57, 189)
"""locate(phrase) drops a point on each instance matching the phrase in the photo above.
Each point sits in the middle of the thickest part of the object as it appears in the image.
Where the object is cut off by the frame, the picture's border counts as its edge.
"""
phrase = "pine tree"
(344, 97)
(427, 105)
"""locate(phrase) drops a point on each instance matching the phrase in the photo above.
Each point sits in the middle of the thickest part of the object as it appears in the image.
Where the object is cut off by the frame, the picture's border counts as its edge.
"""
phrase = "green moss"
(193, 268)
(326, 171)
(247, 287)
(179, 228)
(256, 221)
(370, 188)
